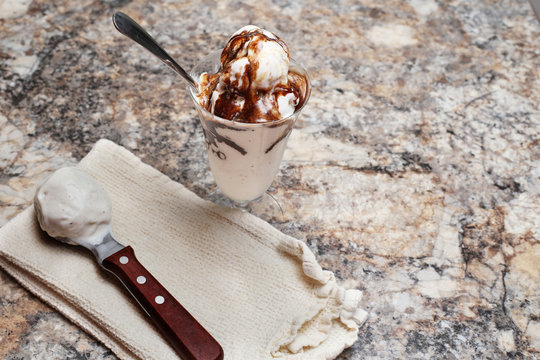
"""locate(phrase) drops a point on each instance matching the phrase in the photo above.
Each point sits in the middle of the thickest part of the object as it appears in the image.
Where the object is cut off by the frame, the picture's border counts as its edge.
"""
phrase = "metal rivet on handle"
(124, 260)
(159, 299)
(141, 279)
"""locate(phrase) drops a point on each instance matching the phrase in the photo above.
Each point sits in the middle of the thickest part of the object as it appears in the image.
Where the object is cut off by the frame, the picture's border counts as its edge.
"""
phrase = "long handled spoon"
(135, 32)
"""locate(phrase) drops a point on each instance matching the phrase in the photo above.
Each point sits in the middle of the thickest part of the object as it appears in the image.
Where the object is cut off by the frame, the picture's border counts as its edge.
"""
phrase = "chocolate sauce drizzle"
(280, 138)
(213, 138)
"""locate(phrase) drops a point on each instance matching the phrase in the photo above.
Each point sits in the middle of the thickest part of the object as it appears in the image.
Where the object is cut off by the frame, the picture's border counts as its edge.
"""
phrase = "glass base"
(265, 206)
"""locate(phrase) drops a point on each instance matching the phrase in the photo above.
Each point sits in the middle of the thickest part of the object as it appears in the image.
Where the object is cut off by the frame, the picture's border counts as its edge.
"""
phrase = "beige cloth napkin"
(260, 293)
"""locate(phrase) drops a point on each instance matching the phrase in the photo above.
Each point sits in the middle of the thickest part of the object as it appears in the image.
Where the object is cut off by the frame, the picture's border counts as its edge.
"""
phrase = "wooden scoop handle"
(182, 331)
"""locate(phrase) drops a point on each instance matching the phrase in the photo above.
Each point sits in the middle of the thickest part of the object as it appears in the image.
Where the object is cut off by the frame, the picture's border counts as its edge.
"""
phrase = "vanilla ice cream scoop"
(263, 58)
(73, 207)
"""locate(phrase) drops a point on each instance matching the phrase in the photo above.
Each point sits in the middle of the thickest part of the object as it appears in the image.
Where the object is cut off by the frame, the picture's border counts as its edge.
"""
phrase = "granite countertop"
(413, 173)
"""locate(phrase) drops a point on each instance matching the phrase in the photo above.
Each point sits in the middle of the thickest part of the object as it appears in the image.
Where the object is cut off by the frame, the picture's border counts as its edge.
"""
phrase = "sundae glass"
(249, 97)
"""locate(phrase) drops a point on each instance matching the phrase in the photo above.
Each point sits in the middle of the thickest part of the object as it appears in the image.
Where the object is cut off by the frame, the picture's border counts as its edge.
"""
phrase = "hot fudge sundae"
(254, 83)
(249, 97)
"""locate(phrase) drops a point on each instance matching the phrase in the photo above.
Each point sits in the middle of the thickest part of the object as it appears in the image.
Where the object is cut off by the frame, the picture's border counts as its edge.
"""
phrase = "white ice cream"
(71, 205)
(245, 177)
(270, 54)
(254, 83)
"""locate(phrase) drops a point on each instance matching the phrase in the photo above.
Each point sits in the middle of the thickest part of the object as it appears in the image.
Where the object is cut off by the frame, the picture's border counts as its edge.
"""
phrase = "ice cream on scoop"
(71, 204)
(254, 83)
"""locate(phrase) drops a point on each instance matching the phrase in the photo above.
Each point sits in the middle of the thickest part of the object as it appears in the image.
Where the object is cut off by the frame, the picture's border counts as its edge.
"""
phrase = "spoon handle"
(135, 32)
(177, 325)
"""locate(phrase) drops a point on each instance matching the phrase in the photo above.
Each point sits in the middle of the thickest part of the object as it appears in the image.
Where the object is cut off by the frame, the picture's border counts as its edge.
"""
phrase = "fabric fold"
(260, 293)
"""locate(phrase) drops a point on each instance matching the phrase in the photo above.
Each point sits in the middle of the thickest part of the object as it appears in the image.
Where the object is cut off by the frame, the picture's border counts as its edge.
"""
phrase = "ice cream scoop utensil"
(73, 207)
(135, 32)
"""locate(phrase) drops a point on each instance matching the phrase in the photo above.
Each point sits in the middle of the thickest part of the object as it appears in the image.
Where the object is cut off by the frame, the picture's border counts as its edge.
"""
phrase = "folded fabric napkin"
(259, 292)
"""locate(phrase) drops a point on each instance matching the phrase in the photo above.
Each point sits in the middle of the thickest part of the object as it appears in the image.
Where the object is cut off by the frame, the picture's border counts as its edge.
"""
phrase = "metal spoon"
(183, 332)
(135, 32)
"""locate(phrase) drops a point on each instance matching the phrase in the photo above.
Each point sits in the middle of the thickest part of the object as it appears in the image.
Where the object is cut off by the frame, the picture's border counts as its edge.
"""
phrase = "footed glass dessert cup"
(244, 157)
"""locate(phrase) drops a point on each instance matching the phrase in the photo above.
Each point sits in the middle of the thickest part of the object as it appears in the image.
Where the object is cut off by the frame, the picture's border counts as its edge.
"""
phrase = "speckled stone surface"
(413, 173)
